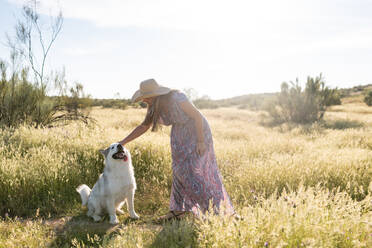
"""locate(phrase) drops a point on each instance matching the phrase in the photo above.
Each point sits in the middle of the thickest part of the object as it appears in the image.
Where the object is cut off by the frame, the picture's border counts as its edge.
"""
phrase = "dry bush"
(308, 105)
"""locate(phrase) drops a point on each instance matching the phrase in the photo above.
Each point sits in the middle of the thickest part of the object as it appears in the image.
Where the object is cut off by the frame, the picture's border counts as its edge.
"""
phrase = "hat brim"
(138, 95)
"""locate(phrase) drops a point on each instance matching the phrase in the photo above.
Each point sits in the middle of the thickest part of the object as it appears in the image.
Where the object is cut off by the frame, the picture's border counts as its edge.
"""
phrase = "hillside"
(249, 101)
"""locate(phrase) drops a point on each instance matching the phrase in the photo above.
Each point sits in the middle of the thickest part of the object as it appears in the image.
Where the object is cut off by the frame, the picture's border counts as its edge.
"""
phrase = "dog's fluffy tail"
(84, 192)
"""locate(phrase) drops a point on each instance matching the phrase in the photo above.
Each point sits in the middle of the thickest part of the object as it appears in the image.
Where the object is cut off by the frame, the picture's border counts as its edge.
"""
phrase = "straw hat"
(149, 88)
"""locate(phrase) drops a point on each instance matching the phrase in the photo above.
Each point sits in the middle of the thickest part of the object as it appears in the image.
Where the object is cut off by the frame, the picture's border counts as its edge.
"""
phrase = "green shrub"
(302, 106)
(24, 102)
(21, 101)
(368, 98)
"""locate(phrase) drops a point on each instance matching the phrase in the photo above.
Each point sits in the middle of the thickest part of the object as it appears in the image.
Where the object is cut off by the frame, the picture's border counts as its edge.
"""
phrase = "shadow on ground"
(342, 124)
(81, 231)
(72, 231)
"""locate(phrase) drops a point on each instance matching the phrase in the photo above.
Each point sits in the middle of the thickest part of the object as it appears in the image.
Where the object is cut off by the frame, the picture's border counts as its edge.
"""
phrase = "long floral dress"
(197, 182)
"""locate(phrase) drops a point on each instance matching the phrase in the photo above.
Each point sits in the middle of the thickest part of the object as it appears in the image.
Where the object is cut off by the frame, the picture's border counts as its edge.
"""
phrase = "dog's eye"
(112, 148)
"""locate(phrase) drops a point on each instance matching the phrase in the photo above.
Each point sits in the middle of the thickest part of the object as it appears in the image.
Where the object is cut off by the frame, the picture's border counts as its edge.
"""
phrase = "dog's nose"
(120, 147)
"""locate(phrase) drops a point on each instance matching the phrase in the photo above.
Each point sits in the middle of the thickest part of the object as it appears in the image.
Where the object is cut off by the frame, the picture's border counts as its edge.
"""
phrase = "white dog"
(115, 186)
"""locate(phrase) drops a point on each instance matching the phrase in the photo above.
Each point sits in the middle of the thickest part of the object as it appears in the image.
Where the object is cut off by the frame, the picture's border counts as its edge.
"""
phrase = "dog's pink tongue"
(125, 158)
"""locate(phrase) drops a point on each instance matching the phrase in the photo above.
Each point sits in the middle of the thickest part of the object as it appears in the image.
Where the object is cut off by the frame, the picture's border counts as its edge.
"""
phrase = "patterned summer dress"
(196, 179)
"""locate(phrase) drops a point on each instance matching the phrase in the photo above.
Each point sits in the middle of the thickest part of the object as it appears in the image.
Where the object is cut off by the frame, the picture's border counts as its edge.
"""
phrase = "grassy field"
(295, 186)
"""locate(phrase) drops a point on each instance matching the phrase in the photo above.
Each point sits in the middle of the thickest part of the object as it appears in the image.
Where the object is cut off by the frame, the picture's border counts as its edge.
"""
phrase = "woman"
(196, 178)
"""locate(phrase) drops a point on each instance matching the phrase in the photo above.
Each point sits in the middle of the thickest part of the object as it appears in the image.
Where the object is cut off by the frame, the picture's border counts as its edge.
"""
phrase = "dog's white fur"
(115, 186)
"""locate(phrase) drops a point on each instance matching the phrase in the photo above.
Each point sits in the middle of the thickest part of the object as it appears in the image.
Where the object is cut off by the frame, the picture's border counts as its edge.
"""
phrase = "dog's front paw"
(134, 216)
(114, 220)
(96, 218)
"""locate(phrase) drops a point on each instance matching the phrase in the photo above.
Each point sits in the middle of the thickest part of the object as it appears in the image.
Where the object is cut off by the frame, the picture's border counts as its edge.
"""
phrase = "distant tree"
(205, 102)
(205, 97)
(117, 95)
(191, 94)
(200, 102)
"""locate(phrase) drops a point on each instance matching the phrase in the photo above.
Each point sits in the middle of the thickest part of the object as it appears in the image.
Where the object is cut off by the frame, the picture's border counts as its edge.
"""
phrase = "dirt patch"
(67, 224)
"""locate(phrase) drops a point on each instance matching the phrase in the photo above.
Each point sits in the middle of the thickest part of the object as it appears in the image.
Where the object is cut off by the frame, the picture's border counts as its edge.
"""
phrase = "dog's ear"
(105, 152)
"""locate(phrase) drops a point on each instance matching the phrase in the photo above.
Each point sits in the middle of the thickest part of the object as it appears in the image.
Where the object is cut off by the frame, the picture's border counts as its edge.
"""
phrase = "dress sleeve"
(175, 113)
(180, 97)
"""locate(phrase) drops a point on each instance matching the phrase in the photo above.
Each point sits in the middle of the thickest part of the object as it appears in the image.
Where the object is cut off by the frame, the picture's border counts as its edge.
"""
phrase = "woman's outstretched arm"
(138, 131)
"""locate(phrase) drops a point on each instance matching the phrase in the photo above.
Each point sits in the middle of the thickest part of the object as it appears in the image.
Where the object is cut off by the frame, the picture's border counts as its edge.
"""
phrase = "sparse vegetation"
(308, 186)
(24, 102)
(347, 92)
(112, 103)
(24, 98)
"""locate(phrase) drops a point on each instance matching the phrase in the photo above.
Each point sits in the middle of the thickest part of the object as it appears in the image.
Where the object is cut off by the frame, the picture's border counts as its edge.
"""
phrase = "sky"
(220, 48)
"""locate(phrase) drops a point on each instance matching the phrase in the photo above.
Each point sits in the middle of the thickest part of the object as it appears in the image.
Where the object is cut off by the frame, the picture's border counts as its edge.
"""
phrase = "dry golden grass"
(295, 186)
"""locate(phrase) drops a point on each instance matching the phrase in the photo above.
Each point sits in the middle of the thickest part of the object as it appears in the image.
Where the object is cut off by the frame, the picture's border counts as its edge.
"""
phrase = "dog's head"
(116, 152)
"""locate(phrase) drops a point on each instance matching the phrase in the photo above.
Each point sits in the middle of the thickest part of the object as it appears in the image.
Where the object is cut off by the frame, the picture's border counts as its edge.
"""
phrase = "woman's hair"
(160, 104)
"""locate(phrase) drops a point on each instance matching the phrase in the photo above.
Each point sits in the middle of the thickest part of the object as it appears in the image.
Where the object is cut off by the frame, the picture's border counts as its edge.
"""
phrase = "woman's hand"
(138, 131)
(200, 148)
